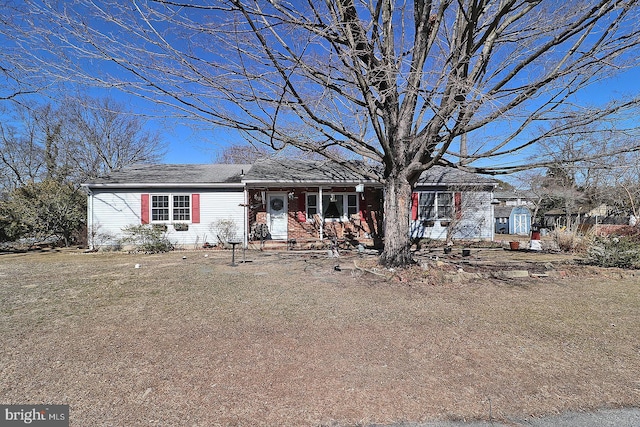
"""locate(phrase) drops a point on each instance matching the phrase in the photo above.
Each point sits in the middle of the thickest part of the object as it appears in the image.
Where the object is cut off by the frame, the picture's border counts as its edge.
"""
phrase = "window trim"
(345, 205)
(436, 207)
(171, 196)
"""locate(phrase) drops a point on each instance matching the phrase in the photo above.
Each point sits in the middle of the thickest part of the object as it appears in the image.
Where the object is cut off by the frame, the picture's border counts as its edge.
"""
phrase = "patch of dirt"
(300, 339)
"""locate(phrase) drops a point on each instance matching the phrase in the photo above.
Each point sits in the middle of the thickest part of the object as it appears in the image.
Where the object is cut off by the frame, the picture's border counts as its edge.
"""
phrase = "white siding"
(476, 222)
(477, 218)
(111, 211)
(214, 206)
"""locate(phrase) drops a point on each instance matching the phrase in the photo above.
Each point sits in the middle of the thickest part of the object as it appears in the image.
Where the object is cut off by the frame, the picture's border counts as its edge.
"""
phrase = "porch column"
(245, 219)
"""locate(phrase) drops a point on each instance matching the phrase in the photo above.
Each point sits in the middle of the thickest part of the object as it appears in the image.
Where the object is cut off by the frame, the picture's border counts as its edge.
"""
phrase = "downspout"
(494, 202)
(320, 212)
(245, 241)
(90, 236)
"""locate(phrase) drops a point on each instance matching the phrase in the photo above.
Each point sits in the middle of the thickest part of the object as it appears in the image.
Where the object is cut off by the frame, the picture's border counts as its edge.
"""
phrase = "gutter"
(165, 185)
(312, 183)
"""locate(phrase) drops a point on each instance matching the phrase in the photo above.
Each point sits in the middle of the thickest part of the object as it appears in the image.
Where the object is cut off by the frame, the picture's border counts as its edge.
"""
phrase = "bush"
(622, 252)
(147, 238)
(572, 241)
(43, 211)
(225, 231)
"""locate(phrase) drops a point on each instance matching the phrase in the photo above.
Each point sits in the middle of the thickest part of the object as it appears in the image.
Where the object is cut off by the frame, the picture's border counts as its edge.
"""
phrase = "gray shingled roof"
(265, 171)
(502, 211)
(441, 175)
(515, 194)
(167, 174)
(302, 171)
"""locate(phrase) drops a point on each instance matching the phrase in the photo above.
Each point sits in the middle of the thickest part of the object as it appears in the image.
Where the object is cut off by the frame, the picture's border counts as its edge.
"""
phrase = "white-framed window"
(170, 207)
(312, 205)
(335, 206)
(435, 205)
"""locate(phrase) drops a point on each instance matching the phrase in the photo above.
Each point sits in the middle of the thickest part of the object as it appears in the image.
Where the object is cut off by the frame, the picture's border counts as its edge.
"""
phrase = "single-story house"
(452, 204)
(284, 200)
(515, 197)
(189, 200)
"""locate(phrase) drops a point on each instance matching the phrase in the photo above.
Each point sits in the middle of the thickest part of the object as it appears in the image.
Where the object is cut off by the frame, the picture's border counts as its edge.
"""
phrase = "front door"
(277, 216)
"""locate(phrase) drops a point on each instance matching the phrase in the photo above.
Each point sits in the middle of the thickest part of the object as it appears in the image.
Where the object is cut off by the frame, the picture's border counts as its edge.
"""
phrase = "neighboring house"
(586, 216)
(452, 204)
(299, 201)
(188, 199)
(291, 201)
(516, 198)
(512, 220)
(513, 211)
(501, 215)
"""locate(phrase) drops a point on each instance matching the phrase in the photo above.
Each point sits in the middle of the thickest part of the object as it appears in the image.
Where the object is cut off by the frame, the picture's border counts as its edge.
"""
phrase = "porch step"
(283, 245)
(302, 244)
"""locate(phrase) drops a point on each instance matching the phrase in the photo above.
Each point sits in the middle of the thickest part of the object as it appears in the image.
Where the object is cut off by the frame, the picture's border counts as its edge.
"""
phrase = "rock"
(513, 274)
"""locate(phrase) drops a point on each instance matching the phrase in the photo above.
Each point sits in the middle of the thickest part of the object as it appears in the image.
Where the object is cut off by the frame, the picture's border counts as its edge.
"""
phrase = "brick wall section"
(300, 227)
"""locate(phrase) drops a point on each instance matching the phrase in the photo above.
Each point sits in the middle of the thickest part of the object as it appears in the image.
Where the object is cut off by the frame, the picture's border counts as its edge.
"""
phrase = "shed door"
(520, 224)
(277, 210)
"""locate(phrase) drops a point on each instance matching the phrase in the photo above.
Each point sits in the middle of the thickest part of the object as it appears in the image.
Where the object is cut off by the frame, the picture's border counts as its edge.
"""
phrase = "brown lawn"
(287, 340)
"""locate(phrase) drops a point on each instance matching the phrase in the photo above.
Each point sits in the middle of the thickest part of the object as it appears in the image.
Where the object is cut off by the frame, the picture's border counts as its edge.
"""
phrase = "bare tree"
(22, 147)
(619, 184)
(75, 140)
(408, 85)
(104, 136)
(242, 153)
(580, 176)
(248, 153)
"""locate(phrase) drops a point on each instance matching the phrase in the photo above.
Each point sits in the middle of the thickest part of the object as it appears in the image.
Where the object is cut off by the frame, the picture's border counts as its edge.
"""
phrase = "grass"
(293, 342)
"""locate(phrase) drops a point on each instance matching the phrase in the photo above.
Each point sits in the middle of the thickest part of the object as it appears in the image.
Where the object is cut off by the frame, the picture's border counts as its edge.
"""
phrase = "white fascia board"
(303, 183)
(165, 185)
(455, 184)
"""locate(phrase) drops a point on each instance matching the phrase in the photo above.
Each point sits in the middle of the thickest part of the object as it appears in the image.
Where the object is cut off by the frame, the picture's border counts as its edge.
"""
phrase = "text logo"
(34, 415)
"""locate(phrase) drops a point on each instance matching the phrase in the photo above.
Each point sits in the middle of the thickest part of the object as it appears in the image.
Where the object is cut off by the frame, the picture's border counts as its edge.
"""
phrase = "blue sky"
(199, 143)
(187, 144)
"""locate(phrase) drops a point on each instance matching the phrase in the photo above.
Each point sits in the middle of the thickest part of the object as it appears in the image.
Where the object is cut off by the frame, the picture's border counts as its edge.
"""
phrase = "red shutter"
(195, 208)
(414, 206)
(144, 209)
(302, 207)
(457, 199)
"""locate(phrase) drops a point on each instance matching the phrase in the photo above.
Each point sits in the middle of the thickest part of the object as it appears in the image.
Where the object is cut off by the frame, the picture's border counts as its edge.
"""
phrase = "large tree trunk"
(397, 210)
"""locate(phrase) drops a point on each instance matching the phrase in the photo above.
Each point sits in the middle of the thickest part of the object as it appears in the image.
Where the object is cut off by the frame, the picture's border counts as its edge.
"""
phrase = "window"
(181, 208)
(352, 204)
(435, 205)
(335, 206)
(159, 208)
(178, 210)
(312, 205)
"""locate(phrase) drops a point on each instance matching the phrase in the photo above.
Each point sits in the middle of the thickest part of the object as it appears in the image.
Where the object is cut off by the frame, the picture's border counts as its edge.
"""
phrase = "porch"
(310, 218)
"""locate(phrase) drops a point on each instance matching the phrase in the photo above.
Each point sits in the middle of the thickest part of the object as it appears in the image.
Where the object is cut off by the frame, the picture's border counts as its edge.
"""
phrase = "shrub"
(147, 238)
(225, 230)
(102, 240)
(46, 211)
(622, 252)
(572, 241)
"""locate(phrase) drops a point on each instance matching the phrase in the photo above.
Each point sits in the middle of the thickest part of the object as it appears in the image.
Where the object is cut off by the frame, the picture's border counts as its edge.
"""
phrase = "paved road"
(626, 417)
